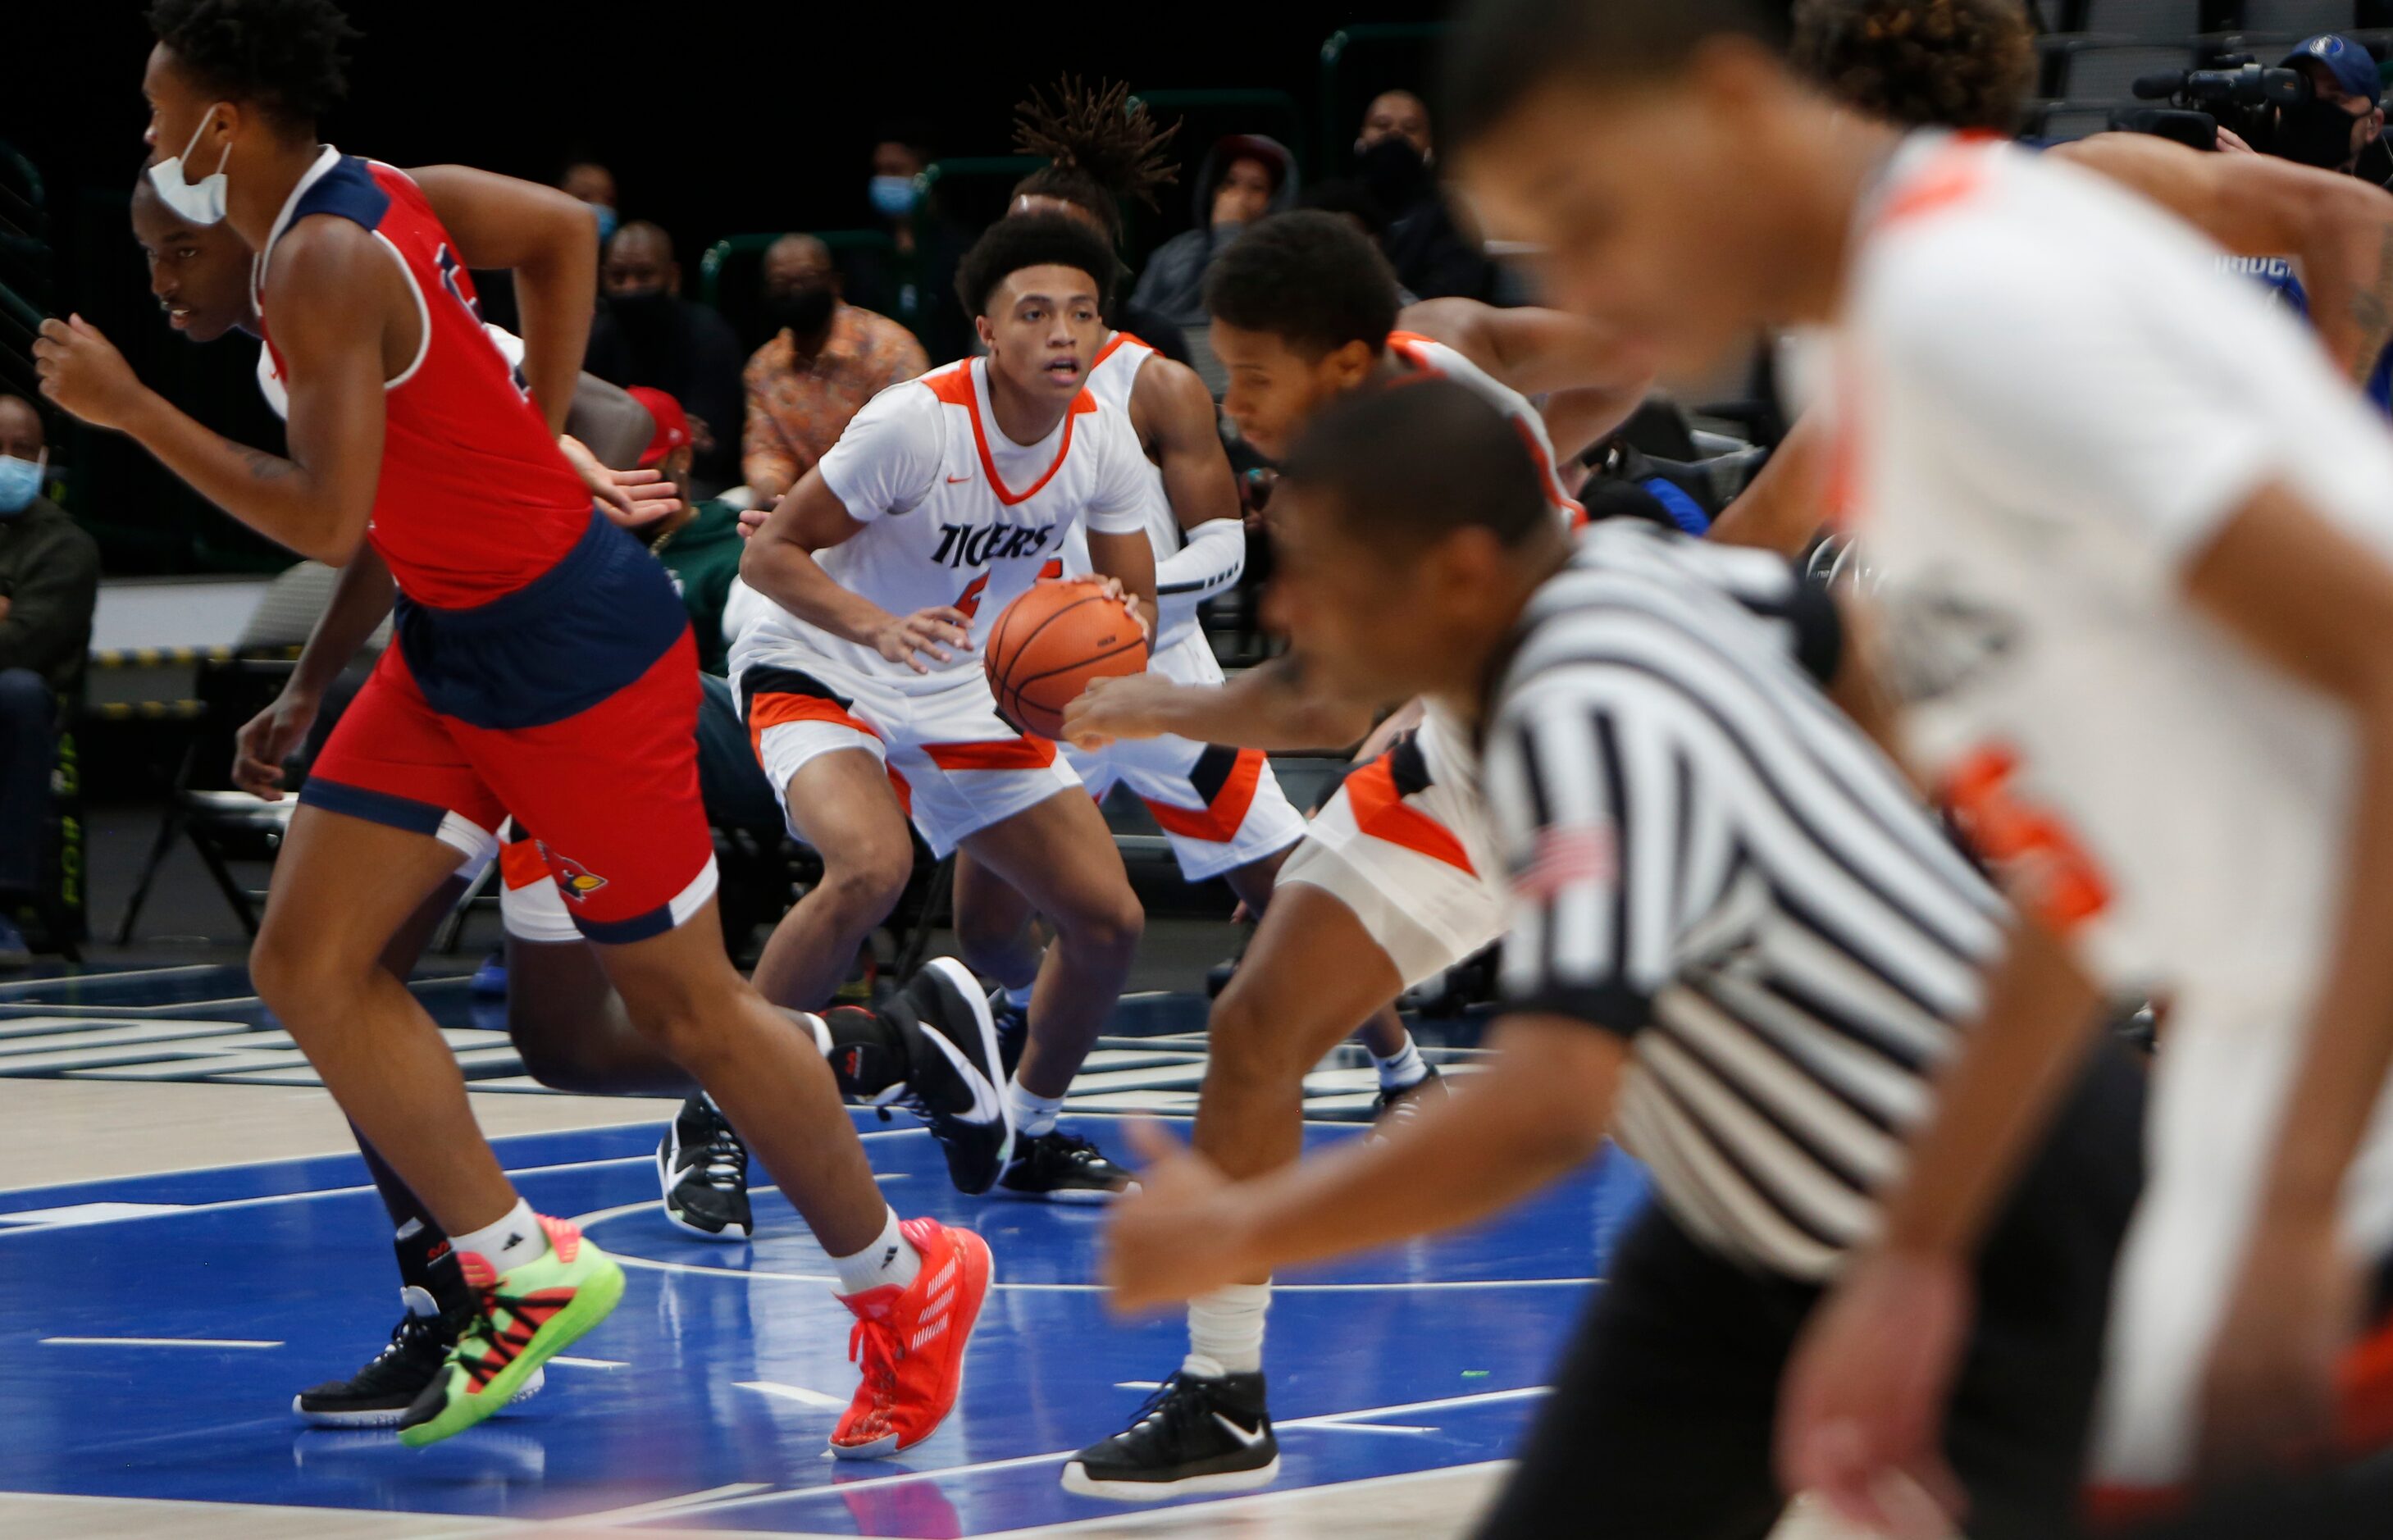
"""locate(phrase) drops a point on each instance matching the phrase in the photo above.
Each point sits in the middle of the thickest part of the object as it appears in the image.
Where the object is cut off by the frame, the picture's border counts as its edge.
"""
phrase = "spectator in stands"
(594, 184)
(914, 283)
(1100, 147)
(2346, 117)
(49, 581)
(1434, 256)
(828, 359)
(699, 543)
(647, 335)
(1243, 178)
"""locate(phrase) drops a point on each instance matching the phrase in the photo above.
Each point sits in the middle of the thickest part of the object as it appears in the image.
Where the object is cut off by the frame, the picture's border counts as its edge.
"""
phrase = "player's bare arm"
(2338, 228)
(546, 239)
(1175, 413)
(1537, 351)
(361, 597)
(1540, 1109)
(1269, 707)
(779, 563)
(344, 321)
(2317, 602)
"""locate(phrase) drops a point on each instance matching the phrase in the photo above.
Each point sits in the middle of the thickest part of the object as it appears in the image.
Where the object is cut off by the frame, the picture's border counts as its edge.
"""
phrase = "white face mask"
(201, 203)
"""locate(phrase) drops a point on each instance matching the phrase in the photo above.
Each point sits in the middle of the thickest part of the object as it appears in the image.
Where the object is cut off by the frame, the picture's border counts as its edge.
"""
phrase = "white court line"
(1220, 1513)
(152, 1342)
(17, 986)
(585, 1221)
(1058, 1456)
(589, 1363)
(798, 1393)
(1372, 1428)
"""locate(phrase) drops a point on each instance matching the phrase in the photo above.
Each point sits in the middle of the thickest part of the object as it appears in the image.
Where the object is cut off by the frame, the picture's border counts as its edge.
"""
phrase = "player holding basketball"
(533, 633)
(1304, 312)
(2132, 540)
(863, 686)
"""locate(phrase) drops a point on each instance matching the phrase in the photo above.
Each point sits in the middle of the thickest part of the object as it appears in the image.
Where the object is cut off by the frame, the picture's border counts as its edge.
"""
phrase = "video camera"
(2238, 94)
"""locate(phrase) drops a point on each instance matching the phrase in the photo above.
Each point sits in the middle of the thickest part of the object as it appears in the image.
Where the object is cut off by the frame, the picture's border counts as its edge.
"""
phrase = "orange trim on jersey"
(1005, 753)
(776, 710)
(521, 865)
(1220, 822)
(1956, 174)
(956, 388)
(1114, 343)
(1407, 345)
(1379, 812)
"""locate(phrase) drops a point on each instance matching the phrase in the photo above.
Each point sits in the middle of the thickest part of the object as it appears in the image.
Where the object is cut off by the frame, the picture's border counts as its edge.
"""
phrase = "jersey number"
(2049, 872)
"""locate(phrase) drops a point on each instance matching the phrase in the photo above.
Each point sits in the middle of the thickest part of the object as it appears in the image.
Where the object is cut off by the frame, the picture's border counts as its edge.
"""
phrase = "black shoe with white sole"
(1058, 1168)
(702, 1165)
(1398, 1107)
(378, 1394)
(1196, 1434)
(952, 1072)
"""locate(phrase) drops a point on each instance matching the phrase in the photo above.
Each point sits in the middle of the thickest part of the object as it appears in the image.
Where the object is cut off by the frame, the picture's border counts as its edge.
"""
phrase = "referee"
(1736, 940)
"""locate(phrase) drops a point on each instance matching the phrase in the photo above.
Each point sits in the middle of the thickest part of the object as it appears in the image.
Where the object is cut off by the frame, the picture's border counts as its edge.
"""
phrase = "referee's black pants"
(1659, 1427)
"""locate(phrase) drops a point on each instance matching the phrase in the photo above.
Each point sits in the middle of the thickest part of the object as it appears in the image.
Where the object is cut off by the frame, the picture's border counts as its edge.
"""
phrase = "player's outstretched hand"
(930, 631)
(1178, 1233)
(269, 738)
(85, 375)
(1132, 705)
(1861, 1406)
(629, 499)
(2268, 1399)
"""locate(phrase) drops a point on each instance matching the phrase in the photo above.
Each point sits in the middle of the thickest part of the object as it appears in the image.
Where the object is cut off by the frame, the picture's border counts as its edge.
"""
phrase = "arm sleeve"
(888, 458)
(1119, 504)
(49, 610)
(1210, 563)
(1591, 791)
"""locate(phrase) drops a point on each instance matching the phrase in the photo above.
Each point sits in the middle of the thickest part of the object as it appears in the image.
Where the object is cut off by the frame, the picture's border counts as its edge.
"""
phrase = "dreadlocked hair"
(1103, 148)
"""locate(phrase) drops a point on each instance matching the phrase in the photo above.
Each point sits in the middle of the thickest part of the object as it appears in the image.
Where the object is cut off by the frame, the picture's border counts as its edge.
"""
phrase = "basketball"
(1050, 642)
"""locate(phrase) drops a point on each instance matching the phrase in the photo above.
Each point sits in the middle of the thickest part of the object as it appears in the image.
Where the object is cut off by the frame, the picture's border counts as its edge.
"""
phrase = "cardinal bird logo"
(574, 880)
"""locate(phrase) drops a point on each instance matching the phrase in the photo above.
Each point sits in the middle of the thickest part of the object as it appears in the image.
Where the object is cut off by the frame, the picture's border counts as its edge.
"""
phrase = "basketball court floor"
(188, 1238)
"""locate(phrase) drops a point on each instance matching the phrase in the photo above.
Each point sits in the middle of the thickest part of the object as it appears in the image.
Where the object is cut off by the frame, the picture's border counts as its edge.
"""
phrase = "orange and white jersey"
(954, 512)
(1429, 355)
(1111, 381)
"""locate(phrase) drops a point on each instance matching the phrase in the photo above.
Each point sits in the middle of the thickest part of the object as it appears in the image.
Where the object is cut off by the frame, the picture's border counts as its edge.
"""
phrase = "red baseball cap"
(673, 424)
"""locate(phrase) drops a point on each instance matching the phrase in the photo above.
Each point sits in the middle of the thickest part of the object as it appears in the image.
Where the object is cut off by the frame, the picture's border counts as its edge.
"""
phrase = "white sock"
(1225, 1331)
(515, 1240)
(1402, 1068)
(1032, 1115)
(891, 1259)
(1019, 999)
(813, 1027)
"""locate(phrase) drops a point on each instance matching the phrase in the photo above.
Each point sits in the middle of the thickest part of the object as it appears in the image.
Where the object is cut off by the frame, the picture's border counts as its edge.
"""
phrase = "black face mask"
(1395, 171)
(804, 311)
(2315, 133)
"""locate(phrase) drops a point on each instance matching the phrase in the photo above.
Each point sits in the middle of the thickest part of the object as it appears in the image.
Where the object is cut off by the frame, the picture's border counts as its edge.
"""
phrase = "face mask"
(2315, 133)
(893, 197)
(201, 203)
(607, 220)
(20, 480)
(804, 311)
(1395, 171)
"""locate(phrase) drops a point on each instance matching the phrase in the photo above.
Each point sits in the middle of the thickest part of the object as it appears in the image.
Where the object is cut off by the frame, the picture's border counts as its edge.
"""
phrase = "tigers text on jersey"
(955, 514)
(1704, 856)
(475, 501)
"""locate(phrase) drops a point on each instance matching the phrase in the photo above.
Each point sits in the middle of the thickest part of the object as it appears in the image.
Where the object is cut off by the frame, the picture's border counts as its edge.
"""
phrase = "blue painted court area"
(152, 1331)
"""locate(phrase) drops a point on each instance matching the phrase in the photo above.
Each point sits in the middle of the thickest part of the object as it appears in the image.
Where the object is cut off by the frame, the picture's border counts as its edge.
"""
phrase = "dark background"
(716, 118)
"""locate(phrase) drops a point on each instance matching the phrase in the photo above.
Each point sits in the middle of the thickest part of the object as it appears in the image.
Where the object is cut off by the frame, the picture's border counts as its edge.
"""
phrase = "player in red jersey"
(531, 632)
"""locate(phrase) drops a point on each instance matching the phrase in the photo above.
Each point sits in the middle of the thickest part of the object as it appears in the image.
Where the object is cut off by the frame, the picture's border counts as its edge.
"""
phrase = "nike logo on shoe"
(984, 1108)
(1250, 1439)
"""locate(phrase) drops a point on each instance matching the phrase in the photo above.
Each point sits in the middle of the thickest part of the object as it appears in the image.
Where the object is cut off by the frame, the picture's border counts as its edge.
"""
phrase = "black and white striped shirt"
(1707, 858)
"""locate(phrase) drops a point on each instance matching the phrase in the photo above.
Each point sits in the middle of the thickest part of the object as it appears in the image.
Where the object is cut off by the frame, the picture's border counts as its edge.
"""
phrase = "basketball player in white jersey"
(1393, 879)
(862, 680)
(2132, 539)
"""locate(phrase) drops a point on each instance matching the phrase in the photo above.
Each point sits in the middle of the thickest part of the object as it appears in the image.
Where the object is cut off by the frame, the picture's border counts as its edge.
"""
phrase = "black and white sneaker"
(951, 1071)
(702, 1165)
(1196, 1434)
(1058, 1168)
(378, 1394)
(1012, 1023)
(1398, 1107)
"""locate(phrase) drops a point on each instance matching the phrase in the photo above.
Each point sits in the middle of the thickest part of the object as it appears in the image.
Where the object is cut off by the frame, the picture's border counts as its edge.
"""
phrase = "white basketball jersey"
(1110, 381)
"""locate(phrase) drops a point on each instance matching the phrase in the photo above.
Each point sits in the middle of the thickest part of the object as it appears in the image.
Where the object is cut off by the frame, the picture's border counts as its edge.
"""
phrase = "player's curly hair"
(1309, 278)
(1921, 63)
(1103, 148)
(1033, 241)
(286, 56)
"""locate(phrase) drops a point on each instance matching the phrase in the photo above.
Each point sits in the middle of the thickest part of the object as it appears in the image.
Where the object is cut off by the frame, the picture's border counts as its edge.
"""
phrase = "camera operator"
(2345, 117)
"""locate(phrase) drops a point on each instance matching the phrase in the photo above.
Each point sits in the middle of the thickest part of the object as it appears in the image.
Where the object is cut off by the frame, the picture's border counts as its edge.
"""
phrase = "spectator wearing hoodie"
(1243, 178)
(1433, 256)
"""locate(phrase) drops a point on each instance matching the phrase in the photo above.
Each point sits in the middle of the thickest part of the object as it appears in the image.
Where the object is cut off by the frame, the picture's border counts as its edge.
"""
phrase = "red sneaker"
(909, 1343)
